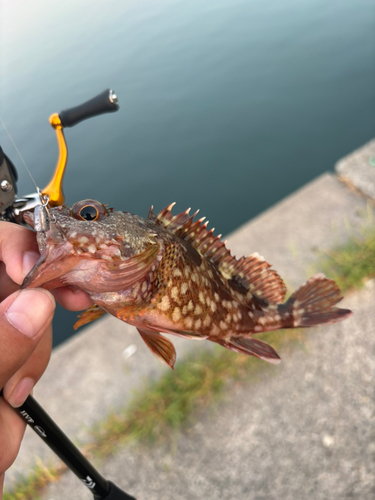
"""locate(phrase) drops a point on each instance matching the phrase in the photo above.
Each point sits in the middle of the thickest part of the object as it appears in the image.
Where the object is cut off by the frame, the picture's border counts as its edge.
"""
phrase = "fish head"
(83, 242)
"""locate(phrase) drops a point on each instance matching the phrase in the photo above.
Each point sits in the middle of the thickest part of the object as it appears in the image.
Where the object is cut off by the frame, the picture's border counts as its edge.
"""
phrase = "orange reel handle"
(105, 102)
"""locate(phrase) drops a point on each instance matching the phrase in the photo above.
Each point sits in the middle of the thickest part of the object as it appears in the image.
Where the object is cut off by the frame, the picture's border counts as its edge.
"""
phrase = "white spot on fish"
(189, 323)
(207, 321)
(83, 240)
(198, 324)
(164, 304)
(174, 293)
(177, 273)
(223, 325)
(198, 310)
(91, 248)
(176, 316)
(190, 305)
(184, 288)
(201, 297)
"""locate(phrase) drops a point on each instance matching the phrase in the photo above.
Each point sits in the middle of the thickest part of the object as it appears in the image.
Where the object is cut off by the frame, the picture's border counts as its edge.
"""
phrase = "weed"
(351, 264)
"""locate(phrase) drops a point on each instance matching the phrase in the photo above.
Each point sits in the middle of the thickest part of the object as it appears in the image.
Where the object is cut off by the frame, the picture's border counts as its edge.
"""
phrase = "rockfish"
(171, 274)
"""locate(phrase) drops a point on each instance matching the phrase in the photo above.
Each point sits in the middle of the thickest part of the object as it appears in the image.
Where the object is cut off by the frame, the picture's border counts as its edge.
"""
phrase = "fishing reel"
(13, 208)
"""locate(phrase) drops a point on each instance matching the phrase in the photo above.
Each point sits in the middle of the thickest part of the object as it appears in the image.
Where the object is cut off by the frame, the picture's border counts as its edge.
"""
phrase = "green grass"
(353, 263)
(30, 487)
(158, 412)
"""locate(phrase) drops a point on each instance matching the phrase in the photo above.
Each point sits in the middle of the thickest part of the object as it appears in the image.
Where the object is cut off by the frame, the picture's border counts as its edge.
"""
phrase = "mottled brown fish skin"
(170, 274)
(185, 293)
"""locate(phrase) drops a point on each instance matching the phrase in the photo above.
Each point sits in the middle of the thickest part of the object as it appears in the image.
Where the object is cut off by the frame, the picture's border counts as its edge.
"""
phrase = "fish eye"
(89, 210)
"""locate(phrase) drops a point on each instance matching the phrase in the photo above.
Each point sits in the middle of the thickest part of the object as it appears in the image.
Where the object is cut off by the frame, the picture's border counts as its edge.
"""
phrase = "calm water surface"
(226, 106)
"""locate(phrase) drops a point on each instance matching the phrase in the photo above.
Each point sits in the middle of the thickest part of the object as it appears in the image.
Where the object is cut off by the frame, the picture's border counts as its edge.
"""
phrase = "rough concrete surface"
(305, 426)
(358, 169)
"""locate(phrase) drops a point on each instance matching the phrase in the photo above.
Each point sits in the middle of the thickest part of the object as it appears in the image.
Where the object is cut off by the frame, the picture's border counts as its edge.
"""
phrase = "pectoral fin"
(91, 314)
(160, 346)
(122, 274)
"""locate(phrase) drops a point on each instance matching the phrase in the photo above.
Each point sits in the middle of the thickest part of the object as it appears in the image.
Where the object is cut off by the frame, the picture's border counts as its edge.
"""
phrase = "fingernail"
(29, 260)
(30, 311)
(21, 392)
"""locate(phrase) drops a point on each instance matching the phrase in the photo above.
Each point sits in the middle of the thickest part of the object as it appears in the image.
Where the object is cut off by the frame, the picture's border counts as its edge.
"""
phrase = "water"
(226, 106)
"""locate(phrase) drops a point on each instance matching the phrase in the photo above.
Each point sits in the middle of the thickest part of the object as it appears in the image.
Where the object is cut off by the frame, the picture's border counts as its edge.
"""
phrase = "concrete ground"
(306, 429)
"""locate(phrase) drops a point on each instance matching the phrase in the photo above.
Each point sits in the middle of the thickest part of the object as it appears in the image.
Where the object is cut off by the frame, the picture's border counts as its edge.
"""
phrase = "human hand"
(25, 332)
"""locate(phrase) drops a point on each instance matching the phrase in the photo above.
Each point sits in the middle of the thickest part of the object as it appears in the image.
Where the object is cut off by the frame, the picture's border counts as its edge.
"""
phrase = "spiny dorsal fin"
(248, 275)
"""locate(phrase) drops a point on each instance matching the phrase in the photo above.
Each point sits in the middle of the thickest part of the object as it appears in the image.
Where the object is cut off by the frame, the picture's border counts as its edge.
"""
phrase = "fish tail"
(313, 304)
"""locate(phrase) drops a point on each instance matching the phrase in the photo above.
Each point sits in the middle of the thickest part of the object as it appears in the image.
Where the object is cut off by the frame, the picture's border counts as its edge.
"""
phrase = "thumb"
(24, 317)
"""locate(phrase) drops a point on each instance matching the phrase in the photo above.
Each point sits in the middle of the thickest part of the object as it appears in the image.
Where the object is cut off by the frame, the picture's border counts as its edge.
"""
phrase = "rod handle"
(105, 102)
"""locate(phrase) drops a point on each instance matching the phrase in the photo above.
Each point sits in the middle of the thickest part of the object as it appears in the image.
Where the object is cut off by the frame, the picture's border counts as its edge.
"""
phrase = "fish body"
(171, 274)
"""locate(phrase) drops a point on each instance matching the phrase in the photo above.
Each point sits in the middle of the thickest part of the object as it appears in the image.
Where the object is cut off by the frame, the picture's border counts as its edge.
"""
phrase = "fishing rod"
(11, 210)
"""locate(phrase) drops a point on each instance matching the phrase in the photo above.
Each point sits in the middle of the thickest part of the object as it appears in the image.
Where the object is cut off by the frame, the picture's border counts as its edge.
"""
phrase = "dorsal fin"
(248, 275)
(255, 274)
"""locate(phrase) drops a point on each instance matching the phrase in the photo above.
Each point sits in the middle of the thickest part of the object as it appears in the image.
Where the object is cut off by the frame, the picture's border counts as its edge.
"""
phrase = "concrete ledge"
(358, 169)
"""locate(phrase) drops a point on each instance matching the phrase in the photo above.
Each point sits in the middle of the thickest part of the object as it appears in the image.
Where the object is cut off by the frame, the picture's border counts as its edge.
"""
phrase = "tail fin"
(312, 304)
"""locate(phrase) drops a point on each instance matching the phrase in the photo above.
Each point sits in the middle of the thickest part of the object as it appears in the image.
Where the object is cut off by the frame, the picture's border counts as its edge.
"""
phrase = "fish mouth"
(54, 263)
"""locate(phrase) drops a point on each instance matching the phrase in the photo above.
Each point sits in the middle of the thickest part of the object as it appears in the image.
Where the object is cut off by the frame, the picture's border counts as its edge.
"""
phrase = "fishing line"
(19, 154)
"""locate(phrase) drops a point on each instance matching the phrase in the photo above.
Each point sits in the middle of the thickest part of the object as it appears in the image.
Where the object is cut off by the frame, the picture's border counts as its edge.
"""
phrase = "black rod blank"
(41, 423)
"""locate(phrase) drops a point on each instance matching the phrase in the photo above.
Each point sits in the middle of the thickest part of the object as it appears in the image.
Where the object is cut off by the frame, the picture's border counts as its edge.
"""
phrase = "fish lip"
(31, 274)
